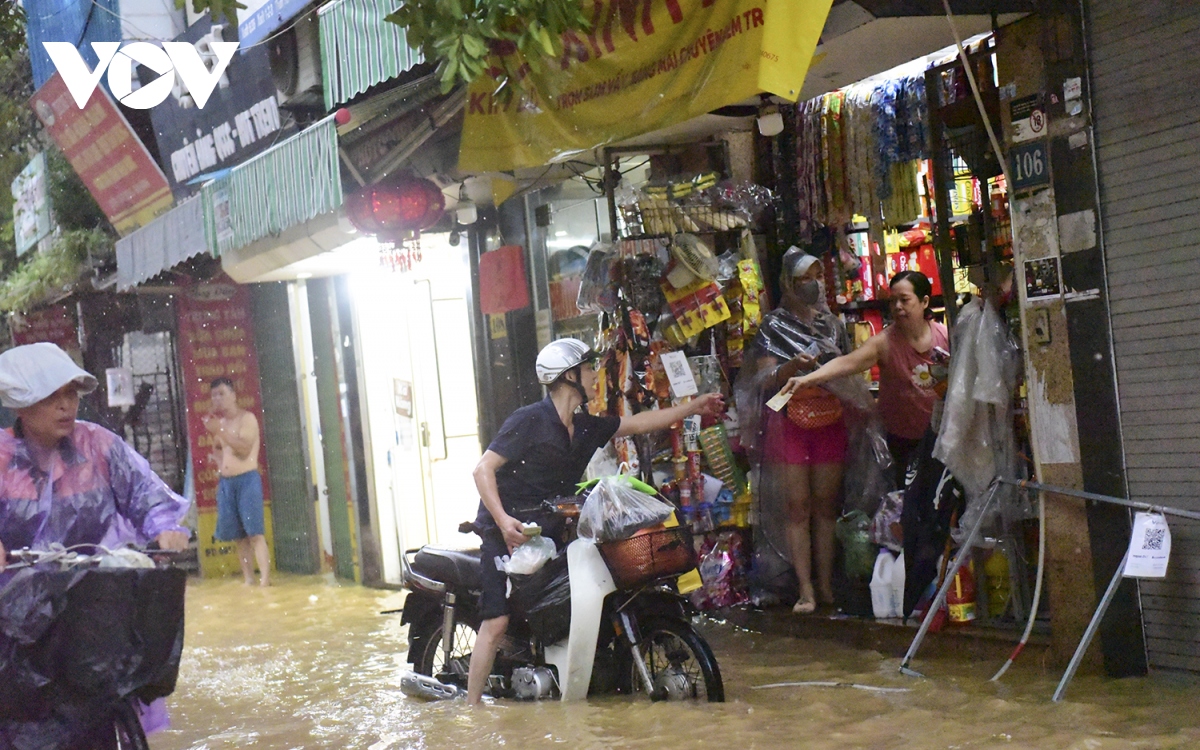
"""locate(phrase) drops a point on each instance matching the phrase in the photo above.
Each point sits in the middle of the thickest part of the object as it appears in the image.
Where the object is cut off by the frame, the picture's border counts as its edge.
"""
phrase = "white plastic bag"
(618, 507)
(530, 556)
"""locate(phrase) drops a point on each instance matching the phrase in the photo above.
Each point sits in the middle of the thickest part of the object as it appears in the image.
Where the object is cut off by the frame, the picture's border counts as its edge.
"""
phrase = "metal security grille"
(154, 425)
(1144, 57)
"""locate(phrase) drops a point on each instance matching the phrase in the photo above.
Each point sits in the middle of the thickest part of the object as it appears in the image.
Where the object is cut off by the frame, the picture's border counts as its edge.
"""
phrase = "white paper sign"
(120, 386)
(679, 372)
(1149, 547)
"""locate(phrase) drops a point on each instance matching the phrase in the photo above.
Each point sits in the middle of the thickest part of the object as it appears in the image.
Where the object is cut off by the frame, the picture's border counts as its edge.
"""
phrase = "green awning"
(360, 49)
(283, 186)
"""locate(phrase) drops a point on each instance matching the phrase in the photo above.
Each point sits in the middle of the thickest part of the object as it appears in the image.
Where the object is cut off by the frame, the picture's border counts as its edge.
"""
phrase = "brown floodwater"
(310, 663)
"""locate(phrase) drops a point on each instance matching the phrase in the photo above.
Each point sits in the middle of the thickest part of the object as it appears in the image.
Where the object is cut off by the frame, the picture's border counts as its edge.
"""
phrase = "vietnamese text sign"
(1149, 547)
(106, 154)
(240, 119)
(55, 324)
(643, 66)
(216, 339)
(31, 209)
(260, 17)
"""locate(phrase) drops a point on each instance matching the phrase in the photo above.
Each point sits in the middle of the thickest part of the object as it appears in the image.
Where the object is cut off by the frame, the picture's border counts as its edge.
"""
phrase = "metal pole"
(1166, 510)
(1091, 629)
(936, 604)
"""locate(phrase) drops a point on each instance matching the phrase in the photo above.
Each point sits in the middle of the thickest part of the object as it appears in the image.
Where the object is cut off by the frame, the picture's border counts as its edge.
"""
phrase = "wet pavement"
(312, 664)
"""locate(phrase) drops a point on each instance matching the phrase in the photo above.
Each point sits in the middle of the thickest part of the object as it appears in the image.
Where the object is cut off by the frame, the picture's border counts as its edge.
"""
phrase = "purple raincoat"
(101, 492)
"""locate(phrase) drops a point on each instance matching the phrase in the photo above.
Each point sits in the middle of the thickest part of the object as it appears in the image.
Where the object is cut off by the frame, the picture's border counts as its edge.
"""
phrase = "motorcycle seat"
(459, 567)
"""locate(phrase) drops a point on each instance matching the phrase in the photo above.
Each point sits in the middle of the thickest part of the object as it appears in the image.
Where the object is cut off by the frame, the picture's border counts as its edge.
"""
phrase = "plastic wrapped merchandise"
(886, 528)
(544, 598)
(596, 293)
(976, 441)
(618, 507)
(858, 554)
(530, 556)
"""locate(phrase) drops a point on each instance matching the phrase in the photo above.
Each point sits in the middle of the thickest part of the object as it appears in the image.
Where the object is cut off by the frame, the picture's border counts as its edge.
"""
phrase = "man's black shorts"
(493, 596)
(493, 553)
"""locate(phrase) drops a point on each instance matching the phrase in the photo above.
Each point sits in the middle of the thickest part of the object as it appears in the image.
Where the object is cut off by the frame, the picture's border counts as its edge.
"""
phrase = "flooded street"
(311, 664)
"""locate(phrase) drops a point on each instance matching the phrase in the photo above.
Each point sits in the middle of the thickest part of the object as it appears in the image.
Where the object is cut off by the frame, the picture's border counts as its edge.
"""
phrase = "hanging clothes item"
(834, 158)
(862, 152)
(904, 203)
(884, 106)
(913, 111)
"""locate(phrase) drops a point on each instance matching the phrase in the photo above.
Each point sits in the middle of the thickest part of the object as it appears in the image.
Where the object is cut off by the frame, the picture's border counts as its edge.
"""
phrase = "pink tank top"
(906, 394)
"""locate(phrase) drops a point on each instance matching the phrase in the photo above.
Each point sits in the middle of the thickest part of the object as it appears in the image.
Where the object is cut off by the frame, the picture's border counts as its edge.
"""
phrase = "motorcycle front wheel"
(679, 660)
(433, 661)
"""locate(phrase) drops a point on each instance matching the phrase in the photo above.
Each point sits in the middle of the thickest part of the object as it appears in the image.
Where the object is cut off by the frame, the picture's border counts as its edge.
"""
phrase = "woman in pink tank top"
(908, 354)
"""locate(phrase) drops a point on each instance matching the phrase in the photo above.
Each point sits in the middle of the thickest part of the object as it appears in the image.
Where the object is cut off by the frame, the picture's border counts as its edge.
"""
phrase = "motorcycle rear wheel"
(680, 659)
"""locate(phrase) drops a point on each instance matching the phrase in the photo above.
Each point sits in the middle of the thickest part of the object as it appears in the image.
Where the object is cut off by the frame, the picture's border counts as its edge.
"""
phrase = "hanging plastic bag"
(886, 529)
(858, 553)
(530, 556)
(618, 507)
(595, 290)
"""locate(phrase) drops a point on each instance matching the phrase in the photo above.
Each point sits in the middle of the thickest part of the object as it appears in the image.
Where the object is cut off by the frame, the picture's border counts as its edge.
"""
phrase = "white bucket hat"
(31, 373)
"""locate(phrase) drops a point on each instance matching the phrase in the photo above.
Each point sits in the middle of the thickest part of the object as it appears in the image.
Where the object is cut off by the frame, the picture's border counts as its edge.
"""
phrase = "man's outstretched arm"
(708, 405)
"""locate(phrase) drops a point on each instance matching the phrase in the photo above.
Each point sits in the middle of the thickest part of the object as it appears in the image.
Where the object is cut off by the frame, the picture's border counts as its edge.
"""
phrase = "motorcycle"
(596, 619)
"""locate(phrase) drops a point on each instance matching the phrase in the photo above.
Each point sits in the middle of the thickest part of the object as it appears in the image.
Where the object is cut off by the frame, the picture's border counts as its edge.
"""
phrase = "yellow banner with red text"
(644, 65)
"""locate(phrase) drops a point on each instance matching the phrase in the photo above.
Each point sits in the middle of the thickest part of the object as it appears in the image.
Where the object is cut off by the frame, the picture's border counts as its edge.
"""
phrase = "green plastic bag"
(858, 553)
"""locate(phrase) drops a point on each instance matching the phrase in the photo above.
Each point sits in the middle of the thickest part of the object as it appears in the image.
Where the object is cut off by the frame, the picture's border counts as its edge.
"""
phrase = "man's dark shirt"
(543, 461)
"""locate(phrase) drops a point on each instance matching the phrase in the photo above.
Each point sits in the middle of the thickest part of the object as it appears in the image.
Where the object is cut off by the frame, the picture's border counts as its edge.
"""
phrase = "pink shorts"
(786, 443)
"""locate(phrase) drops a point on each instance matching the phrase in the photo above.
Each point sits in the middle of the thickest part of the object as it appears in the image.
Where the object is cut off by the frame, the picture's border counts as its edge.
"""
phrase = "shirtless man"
(239, 494)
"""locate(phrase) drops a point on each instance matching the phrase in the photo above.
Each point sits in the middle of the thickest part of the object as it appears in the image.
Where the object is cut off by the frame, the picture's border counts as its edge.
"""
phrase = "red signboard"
(216, 339)
(502, 285)
(55, 324)
(106, 154)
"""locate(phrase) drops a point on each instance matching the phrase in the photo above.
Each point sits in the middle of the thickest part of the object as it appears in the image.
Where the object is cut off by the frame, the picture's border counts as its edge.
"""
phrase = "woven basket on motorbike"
(649, 554)
(813, 408)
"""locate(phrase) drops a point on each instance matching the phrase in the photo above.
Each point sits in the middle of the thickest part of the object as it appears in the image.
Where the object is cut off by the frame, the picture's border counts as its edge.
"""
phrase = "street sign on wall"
(106, 154)
(31, 208)
(261, 17)
(240, 119)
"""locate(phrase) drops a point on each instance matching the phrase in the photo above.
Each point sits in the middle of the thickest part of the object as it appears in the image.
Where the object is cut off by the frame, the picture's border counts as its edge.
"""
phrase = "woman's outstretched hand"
(794, 384)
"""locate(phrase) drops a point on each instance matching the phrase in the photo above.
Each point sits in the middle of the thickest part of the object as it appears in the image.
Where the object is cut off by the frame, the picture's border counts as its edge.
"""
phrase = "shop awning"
(162, 244)
(280, 188)
(360, 49)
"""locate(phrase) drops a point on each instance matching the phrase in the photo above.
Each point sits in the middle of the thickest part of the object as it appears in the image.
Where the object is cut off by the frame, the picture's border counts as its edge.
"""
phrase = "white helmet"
(559, 357)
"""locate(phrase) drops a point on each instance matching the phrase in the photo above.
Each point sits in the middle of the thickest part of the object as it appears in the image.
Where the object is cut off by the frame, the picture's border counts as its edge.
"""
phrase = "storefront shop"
(668, 256)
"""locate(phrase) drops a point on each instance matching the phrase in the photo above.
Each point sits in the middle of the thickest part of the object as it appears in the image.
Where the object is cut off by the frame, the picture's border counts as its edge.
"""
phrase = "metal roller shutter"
(1144, 61)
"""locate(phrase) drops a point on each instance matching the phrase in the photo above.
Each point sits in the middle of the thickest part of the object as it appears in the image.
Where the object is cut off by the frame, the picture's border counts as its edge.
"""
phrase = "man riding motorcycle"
(540, 452)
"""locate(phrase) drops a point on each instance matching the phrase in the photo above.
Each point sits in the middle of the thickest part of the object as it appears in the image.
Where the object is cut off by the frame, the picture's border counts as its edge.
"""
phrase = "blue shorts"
(239, 507)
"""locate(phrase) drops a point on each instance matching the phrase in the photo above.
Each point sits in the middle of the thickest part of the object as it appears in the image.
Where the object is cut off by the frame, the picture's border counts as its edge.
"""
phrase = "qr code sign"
(678, 369)
(1154, 539)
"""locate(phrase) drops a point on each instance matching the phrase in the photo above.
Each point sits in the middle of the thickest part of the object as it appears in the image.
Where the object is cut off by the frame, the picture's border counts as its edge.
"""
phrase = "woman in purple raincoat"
(69, 482)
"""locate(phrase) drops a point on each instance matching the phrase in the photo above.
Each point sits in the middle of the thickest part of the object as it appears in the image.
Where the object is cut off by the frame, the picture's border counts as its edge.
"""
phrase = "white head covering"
(31, 373)
(799, 260)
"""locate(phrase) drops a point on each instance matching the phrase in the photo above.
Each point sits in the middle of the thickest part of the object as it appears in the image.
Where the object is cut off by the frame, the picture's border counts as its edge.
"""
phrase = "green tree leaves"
(466, 37)
(215, 8)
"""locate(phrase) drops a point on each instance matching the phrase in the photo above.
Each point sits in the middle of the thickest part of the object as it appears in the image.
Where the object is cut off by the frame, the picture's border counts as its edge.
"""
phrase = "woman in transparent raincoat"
(801, 467)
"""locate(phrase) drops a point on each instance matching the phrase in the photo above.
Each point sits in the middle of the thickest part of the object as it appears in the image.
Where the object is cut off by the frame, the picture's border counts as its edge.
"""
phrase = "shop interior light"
(466, 211)
(770, 124)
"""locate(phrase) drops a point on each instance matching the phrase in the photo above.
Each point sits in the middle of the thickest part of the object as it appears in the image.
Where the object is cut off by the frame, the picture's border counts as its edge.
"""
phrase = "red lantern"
(405, 205)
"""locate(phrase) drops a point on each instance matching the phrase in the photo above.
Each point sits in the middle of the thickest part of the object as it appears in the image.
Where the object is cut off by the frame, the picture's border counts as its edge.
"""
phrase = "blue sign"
(261, 17)
(1030, 165)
